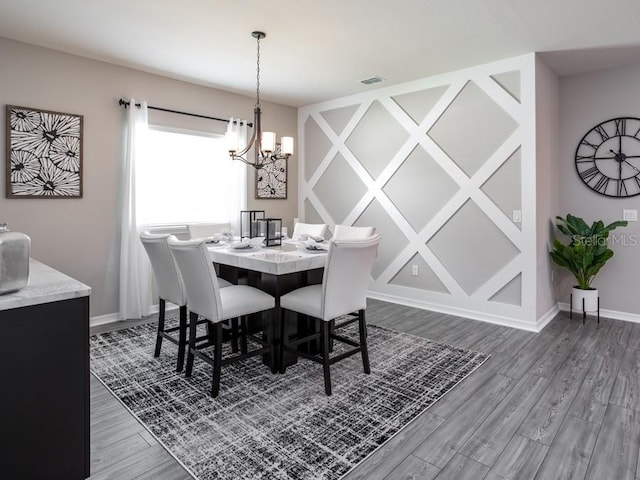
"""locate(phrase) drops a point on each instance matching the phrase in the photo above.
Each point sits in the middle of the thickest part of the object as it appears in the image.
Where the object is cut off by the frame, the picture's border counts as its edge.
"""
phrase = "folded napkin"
(247, 243)
(216, 238)
(305, 236)
(312, 244)
(227, 235)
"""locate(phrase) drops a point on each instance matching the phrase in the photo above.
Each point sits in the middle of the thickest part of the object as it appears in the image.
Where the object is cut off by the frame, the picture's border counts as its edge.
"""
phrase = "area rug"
(265, 426)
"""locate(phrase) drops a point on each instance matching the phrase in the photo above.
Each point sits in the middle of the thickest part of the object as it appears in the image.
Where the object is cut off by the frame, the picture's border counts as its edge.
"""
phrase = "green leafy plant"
(588, 249)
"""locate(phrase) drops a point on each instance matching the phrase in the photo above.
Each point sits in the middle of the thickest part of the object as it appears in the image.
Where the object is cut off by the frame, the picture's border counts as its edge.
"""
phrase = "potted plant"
(584, 256)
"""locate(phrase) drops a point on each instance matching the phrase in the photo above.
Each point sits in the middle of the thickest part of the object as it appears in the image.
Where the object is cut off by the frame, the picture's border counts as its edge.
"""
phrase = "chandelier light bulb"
(287, 145)
(268, 141)
(231, 139)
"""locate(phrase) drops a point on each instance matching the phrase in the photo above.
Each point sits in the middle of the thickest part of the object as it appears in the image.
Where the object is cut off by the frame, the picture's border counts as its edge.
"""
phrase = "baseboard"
(483, 317)
(460, 312)
(547, 317)
(613, 314)
(114, 317)
(103, 319)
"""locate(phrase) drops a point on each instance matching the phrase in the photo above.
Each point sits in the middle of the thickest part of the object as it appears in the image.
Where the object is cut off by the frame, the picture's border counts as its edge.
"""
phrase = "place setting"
(224, 237)
(314, 244)
(247, 244)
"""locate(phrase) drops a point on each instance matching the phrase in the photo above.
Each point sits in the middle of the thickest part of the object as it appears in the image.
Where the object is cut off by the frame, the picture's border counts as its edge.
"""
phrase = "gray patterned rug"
(265, 426)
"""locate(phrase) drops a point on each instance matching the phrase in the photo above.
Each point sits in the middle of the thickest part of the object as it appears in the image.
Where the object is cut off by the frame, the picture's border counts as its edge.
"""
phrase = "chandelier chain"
(258, 75)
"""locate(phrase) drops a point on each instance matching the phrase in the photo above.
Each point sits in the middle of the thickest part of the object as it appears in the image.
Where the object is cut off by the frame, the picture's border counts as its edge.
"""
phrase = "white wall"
(437, 166)
(80, 236)
(585, 101)
(547, 184)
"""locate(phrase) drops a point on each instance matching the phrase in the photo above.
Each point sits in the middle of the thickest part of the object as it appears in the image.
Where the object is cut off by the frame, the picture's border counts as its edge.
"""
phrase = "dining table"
(277, 271)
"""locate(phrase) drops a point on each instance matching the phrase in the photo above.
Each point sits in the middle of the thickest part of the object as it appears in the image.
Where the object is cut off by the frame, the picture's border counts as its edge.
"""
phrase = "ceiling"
(317, 50)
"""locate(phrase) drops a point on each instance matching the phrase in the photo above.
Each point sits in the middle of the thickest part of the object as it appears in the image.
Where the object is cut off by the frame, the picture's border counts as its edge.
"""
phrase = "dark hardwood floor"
(560, 404)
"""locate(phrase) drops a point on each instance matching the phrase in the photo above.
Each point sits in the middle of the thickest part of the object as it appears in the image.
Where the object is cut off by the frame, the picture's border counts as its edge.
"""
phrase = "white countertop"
(273, 260)
(45, 285)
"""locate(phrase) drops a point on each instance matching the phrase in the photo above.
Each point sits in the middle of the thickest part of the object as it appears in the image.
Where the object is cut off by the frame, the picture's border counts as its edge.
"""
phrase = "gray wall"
(437, 166)
(585, 101)
(80, 236)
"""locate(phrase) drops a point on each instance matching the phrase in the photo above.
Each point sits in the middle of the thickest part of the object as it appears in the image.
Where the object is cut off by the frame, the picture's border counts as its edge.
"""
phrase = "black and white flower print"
(50, 182)
(45, 153)
(271, 180)
(25, 166)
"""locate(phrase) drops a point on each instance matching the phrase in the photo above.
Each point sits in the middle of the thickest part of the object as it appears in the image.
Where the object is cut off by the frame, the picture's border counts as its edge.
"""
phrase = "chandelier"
(266, 149)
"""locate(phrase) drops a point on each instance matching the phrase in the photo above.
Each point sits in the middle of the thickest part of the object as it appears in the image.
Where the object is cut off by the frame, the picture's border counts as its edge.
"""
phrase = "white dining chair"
(313, 229)
(206, 230)
(171, 289)
(215, 304)
(347, 232)
(343, 290)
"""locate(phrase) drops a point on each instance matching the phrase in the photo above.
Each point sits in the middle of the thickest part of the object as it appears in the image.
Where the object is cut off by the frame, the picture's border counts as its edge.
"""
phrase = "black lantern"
(249, 223)
(271, 230)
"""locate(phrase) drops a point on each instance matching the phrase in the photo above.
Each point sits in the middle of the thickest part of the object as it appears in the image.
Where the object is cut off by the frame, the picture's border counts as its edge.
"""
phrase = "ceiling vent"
(372, 80)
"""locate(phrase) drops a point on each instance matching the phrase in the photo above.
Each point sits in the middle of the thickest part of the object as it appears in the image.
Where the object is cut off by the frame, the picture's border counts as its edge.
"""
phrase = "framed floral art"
(271, 180)
(44, 153)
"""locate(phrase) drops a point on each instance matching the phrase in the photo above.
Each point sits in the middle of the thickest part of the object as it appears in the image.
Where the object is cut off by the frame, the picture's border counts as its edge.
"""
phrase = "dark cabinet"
(44, 391)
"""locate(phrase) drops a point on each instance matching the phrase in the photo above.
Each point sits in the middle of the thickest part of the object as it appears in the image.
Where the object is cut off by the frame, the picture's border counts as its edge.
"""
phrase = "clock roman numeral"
(585, 159)
(589, 174)
(622, 189)
(601, 184)
(621, 126)
(589, 144)
(602, 132)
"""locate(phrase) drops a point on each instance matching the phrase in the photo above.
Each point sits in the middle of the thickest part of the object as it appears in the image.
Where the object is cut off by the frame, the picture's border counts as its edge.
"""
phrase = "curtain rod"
(125, 104)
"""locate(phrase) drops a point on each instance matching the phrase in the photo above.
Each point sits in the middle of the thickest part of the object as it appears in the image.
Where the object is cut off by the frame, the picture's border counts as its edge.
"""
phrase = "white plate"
(314, 250)
(250, 248)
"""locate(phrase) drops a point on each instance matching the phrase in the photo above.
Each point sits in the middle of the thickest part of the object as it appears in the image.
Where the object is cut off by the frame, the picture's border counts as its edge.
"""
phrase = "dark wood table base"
(277, 285)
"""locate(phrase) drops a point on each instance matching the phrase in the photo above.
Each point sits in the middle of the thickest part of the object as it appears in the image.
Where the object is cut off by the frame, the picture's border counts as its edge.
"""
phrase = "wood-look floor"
(560, 404)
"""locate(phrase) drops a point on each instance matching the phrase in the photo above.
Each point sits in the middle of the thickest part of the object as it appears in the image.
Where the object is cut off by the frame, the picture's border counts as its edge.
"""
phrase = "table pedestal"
(277, 285)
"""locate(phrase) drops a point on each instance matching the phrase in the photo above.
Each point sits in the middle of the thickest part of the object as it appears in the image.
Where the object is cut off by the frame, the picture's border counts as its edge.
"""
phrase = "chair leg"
(243, 334)
(324, 333)
(217, 360)
(283, 343)
(182, 338)
(193, 317)
(234, 335)
(209, 328)
(363, 342)
(161, 312)
(273, 347)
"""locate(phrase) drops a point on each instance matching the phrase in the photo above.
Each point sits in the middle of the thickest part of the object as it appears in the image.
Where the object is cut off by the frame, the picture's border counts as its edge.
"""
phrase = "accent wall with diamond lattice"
(444, 168)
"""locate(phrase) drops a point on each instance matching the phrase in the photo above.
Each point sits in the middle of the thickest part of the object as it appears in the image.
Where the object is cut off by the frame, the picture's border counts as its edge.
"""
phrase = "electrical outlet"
(630, 215)
(414, 270)
(517, 216)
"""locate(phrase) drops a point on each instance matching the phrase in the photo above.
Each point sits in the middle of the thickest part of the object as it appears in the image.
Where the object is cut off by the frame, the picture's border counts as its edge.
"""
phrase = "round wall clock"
(608, 158)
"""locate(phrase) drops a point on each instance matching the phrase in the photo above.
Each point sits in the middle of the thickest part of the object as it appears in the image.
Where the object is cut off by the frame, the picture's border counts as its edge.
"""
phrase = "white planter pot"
(590, 299)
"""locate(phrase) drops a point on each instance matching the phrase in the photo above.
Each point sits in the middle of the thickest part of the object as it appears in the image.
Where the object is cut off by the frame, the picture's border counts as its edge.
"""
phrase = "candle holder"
(271, 230)
(249, 226)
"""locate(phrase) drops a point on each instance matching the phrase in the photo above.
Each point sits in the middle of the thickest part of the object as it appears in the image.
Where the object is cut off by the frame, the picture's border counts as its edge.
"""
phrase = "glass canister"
(14, 260)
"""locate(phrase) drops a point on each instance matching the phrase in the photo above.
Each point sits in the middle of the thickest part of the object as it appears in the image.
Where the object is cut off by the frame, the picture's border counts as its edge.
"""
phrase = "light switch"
(630, 215)
(517, 216)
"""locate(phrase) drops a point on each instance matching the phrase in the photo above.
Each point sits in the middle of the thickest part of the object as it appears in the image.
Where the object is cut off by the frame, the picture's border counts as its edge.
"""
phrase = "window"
(187, 176)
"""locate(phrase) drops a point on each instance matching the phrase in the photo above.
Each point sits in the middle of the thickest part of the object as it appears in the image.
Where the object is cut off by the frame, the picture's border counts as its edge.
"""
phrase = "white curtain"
(135, 268)
(239, 175)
